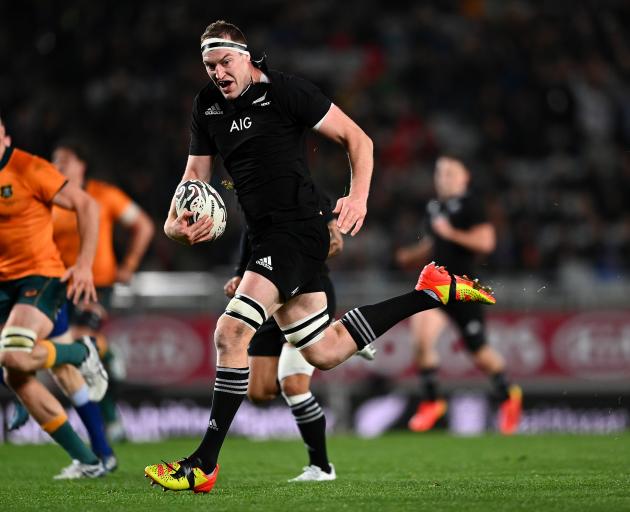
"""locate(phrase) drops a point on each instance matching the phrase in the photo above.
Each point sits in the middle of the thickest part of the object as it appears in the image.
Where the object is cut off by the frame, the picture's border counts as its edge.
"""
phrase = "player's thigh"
(300, 309)
(426, 327)
(28, 316)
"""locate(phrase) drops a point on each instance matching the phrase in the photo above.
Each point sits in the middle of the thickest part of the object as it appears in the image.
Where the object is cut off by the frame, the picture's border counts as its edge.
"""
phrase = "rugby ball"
(201, 199)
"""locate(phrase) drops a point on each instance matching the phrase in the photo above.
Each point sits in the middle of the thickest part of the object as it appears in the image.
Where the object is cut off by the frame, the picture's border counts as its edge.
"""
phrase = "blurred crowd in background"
(534, 95)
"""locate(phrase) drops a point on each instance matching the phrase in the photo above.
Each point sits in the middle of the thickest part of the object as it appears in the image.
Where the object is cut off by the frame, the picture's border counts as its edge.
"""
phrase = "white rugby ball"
(201, 199)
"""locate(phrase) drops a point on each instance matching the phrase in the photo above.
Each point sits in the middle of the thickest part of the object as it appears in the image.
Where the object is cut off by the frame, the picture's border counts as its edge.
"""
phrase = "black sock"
(366, 323)
(501, 386)
(230, 387)
(428, 378)
(311, 421)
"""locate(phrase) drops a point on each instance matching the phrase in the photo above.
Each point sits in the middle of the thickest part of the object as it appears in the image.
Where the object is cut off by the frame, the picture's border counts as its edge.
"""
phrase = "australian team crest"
(6, 191)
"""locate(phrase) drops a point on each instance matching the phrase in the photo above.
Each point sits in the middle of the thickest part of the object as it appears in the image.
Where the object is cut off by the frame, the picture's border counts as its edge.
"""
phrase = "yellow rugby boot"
(182, 475)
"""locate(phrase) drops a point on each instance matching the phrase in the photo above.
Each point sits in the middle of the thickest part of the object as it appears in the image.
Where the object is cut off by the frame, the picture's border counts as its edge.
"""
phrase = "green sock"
(73, 353)
(68, 439)
(108, 407)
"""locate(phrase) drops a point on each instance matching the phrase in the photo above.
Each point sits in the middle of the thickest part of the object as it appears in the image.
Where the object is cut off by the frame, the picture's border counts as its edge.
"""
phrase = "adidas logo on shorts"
(265, 262)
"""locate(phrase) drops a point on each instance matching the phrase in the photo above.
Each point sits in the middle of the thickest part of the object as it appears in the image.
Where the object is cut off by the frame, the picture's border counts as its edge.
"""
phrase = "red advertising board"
(175, 349)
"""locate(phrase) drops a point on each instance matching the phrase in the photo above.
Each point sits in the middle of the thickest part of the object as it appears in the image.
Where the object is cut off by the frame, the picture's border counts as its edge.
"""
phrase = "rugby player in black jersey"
(457, 233)
(256, 120)
(276, 366)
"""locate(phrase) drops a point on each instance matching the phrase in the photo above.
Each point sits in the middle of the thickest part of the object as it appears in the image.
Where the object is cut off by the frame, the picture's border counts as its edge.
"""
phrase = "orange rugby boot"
(444, 287)
(510, 411)
(427, 415)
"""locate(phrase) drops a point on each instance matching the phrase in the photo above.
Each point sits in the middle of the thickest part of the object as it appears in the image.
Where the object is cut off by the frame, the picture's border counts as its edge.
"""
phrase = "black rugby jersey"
(463, 213)
(261, 137)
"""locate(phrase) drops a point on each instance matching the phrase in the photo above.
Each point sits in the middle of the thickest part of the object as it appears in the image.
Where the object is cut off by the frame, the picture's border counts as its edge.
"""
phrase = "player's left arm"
(352, 208)
(142, 229)
(79, 275)
(480, 238)
(336, 240)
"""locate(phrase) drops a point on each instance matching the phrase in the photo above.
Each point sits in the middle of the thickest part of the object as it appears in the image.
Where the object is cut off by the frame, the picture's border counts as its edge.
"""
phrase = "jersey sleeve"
(306, 103)
(44, 179)
(200, 142)
(117, 201)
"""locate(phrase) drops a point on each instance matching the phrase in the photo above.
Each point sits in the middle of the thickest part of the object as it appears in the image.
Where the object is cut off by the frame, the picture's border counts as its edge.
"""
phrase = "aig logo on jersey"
(241, 124)
(6, 191)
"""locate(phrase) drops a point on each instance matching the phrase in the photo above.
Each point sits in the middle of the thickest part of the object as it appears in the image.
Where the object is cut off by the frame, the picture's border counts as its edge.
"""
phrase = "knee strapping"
(309, 330)
(17, 338)
(293, 363)
(247, 310)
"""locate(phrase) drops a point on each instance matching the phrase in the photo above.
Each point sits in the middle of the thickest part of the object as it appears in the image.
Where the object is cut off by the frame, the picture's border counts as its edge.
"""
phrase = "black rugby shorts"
(291, 255)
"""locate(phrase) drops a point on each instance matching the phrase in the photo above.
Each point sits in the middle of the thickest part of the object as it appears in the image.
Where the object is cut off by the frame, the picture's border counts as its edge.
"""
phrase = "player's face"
(5, 140)
(229, 70)
(70, 165)
(451, 178)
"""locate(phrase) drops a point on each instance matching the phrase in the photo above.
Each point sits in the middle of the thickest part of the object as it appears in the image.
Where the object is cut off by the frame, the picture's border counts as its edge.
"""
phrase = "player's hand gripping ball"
(201, 199)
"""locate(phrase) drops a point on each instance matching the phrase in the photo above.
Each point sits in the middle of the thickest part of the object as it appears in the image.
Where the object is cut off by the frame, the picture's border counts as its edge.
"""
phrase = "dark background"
(534, 94)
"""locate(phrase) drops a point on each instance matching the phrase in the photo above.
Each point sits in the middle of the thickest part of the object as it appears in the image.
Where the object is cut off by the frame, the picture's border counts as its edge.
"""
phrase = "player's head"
(70, 156)
(226, 58)
(451, 177)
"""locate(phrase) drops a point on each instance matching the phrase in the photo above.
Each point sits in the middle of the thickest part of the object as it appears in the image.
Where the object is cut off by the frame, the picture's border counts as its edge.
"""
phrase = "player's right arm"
(352, 209)
(79, 275)
(176, 227)
(412, 256)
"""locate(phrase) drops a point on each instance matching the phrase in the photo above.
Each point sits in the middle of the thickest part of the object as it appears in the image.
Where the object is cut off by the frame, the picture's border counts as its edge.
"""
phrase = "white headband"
(216, 43)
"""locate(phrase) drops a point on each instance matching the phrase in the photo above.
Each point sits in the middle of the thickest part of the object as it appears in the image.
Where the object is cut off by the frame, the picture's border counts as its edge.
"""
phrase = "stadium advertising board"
(177, 350)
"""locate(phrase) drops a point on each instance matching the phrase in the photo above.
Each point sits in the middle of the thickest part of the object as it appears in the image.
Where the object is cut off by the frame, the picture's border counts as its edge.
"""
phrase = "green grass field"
(396, 472)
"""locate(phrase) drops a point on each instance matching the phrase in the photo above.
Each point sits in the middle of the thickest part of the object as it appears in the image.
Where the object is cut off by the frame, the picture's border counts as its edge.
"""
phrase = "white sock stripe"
(320, 415)
(357, 327)
(232, 386)
(360, 316)
(306, 410)
(308, 415)
(307, 418)
(303, 403)
(230, 391)
(229, 381)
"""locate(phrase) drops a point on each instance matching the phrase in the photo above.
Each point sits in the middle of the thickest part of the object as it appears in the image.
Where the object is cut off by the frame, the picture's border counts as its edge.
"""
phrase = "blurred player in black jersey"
(457, 235)
(257, 119)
